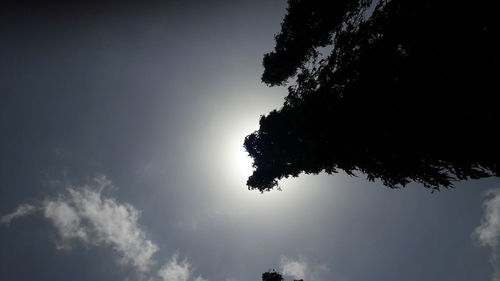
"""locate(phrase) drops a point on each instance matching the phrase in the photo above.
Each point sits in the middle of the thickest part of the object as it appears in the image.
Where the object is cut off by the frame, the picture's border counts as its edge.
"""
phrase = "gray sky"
(121, 131)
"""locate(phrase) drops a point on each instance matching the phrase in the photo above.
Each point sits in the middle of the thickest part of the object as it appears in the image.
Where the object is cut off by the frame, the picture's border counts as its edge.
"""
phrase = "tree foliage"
(273, 276)
(401, 91)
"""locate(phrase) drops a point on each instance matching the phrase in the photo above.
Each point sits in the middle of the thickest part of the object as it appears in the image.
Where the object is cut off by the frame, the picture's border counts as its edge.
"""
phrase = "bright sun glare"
(237, 168)
(239, 162)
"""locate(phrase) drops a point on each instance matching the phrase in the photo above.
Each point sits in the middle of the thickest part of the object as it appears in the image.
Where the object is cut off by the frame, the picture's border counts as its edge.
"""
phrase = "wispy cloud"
(21, 211)
(199, 278)
(294, 268)
(301, 269)
(175, 270)
(83, 214)
(66, 219)
(488, 232)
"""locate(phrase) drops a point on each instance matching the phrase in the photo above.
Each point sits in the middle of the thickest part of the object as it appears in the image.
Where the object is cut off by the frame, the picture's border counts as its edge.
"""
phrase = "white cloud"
(488, 233)
(84, 214)
(174, 270)
(66, 219)
(21, 211)
(298, 269)
(199, 278)
(114, 224)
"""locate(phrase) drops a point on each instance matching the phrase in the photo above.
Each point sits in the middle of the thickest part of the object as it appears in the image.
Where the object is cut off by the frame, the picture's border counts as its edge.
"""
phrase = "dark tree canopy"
(404, 91)
(273, 276)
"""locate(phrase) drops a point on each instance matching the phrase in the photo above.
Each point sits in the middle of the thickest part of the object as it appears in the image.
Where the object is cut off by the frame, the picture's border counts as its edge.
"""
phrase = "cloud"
(199, 278)
(294, 268)
(301, 269)
(87, 216)
(175, 270)
(21, 211)
(66, 219)
(83, 214)
(488, 232)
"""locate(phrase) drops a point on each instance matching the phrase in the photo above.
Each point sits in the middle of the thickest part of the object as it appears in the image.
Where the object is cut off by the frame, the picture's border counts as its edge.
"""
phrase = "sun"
(239, 161)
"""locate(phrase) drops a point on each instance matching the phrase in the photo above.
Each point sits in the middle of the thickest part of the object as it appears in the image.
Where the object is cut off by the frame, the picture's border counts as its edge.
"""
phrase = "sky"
(121, 132)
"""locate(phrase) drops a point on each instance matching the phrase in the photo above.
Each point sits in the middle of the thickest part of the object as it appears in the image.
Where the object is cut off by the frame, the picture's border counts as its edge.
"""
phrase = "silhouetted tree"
(273, 276)
(401, 91)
